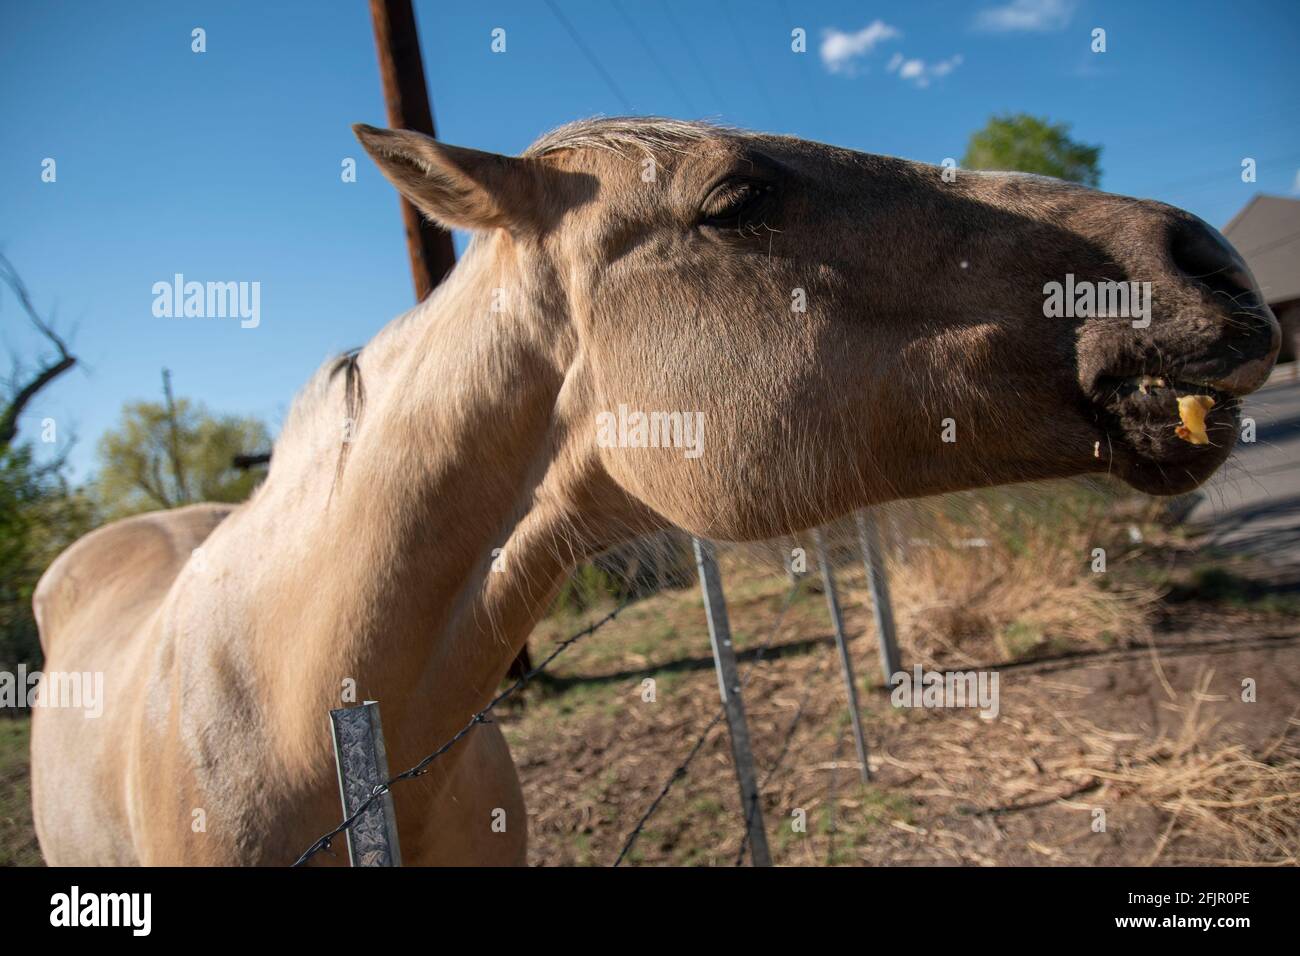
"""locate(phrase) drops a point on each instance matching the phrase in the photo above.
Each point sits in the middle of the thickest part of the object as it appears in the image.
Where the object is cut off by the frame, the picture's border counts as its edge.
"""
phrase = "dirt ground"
(1122, 749)
(1136, 755)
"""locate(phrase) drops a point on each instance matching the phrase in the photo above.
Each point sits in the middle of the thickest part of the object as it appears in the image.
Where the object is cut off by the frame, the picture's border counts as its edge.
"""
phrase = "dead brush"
(1017, 591)
(1246, 805)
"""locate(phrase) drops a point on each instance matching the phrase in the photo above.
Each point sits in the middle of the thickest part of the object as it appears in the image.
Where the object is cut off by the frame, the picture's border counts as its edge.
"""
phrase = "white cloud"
(911, 69)
(920, 72)
(1036, 16)
(944, 67)
(1295, 187)
(840, 50)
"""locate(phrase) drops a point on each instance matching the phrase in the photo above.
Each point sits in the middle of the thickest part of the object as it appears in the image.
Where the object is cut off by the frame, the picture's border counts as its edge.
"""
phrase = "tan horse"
(850, 329)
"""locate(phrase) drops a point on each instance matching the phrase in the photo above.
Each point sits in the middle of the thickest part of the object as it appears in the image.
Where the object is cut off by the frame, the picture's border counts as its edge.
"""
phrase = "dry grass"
(1215, 793)
(948, 787)
(1021, 591)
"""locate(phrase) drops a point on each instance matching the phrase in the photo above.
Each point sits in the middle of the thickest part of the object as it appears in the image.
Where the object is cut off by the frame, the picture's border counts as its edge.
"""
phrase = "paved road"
(1253, 504)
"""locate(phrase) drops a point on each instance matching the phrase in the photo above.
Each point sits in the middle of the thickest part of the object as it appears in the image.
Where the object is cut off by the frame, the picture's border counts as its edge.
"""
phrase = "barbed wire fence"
(680, 770)
(888, 653)
(376, 800)
(420, 769)
(786, 742)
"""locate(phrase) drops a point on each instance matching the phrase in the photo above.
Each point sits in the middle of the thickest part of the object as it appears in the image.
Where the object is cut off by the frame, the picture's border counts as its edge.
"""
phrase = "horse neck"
(423, 561)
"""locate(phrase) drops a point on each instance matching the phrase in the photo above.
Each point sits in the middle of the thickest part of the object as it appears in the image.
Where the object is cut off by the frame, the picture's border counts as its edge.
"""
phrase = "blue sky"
(225, 165)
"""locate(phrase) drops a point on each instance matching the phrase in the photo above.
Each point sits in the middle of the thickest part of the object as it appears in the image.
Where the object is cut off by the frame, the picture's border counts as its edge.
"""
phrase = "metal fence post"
(878, 582)
(846, 663)
(363, 764)
(724, 658)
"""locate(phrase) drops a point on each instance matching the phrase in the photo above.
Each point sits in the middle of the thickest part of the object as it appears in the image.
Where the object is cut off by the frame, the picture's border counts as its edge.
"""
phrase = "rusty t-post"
(401, 68)
(407, 97)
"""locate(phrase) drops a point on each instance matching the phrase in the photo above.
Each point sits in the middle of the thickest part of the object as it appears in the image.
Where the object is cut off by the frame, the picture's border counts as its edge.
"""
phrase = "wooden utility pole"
(401, 68)
(402, 71)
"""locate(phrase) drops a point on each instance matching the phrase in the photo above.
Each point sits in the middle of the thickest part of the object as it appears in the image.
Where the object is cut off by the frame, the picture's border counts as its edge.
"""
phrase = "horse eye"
(731, 203)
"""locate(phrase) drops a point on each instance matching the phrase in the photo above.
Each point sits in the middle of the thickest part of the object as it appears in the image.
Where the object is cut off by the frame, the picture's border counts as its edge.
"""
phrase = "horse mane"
(312, 400)
(648, 135)
(354, 399)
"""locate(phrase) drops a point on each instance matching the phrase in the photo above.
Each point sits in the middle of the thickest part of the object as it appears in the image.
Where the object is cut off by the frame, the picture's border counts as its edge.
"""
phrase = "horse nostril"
(1252, 335)
(1201, 254)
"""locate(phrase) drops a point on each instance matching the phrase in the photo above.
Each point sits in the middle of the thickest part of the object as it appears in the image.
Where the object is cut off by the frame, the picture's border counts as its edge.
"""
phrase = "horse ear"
(456, 187)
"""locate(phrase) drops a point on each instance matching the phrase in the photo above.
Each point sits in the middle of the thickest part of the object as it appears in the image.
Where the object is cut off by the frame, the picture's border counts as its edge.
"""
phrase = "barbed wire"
(680, 770)
(780, 757)
(481, 717)
(422, 767)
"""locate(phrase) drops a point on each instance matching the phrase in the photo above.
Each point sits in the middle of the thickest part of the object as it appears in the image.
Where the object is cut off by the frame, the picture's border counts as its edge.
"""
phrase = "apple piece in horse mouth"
(1192, 410)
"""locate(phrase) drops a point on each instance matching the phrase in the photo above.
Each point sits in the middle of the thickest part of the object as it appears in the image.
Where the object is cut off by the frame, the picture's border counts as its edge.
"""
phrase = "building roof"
(1267, 233)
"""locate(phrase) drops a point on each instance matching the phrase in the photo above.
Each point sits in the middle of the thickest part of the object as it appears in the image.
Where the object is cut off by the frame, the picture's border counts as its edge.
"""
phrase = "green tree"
(39, 517)
(1029, 144)
(39, 514)
(172, 453)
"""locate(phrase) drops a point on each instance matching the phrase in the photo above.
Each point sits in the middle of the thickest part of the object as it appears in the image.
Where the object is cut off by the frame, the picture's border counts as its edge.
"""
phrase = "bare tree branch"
(155, 489)
(49, 371)
(174, 439)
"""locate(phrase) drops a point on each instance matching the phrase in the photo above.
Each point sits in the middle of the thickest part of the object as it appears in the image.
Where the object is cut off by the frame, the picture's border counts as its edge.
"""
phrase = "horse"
(845, 329)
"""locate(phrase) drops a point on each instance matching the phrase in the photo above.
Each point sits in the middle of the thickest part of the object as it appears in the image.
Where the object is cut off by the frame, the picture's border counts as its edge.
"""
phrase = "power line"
(802, 70)
(591, 57)
(645, 45)
(1268, 246)
(694, 57)
(1213, 178)
(1236, 126)
(749, 62)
